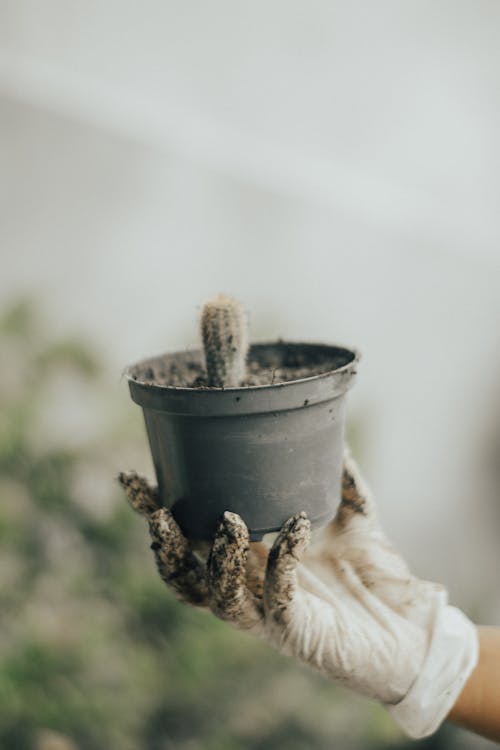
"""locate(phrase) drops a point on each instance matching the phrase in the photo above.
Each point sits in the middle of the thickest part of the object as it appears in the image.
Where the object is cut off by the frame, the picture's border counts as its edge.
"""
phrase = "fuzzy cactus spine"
(224, 334)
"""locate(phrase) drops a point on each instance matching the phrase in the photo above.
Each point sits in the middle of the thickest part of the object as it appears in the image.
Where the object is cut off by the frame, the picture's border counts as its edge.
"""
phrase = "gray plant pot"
(265, 452)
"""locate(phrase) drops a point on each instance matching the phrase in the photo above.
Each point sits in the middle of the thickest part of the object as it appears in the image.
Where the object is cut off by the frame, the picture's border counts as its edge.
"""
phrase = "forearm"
(478, 706)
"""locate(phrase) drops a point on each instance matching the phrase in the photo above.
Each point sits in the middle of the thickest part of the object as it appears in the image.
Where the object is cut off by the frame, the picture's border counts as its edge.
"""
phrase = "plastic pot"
(265, 452)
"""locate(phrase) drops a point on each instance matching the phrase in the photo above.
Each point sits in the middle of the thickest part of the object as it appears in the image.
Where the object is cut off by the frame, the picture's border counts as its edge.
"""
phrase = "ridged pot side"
(264, 452)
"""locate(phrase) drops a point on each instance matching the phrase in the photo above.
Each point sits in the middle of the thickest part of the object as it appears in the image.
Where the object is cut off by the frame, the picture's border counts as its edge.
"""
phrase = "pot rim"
(244, 400)
(247, 388)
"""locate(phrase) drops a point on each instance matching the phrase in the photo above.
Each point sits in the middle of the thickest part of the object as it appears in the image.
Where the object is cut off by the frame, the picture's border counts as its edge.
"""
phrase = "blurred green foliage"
(95, 653)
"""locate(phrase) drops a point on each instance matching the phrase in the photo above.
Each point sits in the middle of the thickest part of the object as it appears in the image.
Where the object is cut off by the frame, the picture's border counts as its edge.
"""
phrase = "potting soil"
(287, 363)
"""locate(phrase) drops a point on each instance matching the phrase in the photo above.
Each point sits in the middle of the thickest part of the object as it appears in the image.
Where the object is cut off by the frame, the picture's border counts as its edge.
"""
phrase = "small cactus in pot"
(231, 438)
(224, 334)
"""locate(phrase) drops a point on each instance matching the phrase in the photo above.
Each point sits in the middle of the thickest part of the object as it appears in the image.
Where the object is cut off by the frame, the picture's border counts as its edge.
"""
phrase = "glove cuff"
(451, 658)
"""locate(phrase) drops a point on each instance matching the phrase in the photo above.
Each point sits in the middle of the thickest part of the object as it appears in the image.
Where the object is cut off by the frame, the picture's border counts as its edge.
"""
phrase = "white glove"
(346, 606)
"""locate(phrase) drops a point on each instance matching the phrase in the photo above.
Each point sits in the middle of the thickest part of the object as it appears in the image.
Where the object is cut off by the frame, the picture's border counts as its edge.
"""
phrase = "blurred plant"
(95, 652)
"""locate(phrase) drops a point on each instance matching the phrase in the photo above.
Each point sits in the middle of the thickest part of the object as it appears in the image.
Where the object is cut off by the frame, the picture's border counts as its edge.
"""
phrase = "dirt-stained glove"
(346, 606)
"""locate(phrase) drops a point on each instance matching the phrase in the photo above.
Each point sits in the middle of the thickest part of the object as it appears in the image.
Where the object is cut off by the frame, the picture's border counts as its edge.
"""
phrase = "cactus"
(224, 333)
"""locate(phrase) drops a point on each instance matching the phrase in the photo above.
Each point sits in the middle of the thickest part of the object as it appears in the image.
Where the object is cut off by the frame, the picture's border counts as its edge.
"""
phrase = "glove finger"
(357, 506)
(230, 599)
(359, 539)
(281, 583)
(141, 495)
(178, 566)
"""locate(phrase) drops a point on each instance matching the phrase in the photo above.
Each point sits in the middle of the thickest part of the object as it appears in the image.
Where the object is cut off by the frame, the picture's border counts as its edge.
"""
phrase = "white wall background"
(335, 165)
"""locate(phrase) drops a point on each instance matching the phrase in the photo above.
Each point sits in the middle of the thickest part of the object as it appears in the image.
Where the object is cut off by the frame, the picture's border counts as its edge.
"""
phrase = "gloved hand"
(346, 606)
